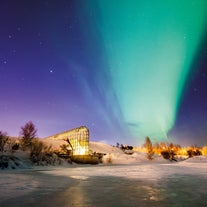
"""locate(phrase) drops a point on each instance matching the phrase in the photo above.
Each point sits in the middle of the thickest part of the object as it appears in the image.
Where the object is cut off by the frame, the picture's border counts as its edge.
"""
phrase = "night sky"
(126, 69)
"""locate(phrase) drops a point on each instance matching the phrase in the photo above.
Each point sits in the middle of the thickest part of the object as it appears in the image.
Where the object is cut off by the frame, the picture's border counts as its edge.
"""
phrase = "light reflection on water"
(122, 186)
(178, 191)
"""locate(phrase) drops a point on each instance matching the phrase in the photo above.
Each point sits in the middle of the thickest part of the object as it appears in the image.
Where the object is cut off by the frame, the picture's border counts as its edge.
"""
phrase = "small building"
(78, 139)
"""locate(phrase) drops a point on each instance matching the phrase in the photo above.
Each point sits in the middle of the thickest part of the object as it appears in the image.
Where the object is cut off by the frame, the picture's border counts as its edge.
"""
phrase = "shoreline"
(84, 185)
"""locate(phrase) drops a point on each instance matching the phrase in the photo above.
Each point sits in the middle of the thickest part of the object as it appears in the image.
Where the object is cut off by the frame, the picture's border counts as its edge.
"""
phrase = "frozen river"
(179, 184)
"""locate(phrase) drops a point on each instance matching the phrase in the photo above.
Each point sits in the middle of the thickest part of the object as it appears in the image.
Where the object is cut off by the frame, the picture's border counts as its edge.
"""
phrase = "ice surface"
(142, 184)
(130, 180)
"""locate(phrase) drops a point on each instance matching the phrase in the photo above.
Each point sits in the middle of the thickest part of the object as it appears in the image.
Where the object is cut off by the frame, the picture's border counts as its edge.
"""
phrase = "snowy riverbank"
(127, 180)
(73, 186)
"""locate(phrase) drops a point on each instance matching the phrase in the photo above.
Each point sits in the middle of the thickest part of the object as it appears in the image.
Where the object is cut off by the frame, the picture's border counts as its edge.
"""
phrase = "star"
(195, 90)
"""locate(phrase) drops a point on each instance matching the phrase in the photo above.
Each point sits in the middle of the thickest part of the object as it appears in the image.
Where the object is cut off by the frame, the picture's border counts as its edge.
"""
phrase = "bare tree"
(28, 133)
(3, 140)
(149, 148)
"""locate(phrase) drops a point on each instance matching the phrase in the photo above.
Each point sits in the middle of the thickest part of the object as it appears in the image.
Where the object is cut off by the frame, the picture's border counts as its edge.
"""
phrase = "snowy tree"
(3, 140)
(28, 133)
(149, 148)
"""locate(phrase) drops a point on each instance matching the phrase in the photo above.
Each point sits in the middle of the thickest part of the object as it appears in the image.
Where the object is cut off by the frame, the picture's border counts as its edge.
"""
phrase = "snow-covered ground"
(129, 180)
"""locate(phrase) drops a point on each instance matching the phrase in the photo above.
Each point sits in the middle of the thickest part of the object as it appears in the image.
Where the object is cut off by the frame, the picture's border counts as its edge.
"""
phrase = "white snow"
(122, 166)
(115, 155)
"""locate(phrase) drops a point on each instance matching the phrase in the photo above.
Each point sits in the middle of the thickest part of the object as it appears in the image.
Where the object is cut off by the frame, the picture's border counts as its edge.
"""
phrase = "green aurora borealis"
(150, 46)
(126, 69)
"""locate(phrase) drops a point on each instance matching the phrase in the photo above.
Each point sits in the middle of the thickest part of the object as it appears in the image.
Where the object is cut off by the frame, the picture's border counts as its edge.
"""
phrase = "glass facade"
(78, 139)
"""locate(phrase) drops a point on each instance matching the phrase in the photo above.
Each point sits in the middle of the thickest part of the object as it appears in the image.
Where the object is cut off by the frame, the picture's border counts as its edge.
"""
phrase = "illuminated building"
(77, 138)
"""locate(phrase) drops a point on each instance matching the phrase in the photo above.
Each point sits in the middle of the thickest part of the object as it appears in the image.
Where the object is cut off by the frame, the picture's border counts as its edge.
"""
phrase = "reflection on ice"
(79, 177)
(153, 193)
(142, 185)
(137, 185)
(13, 185)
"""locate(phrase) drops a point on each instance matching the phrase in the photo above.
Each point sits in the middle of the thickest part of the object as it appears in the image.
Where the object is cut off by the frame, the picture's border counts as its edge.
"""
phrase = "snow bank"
(11, 162)
(103, 148)
(114, 155)
(196, 159)
(55, 143)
